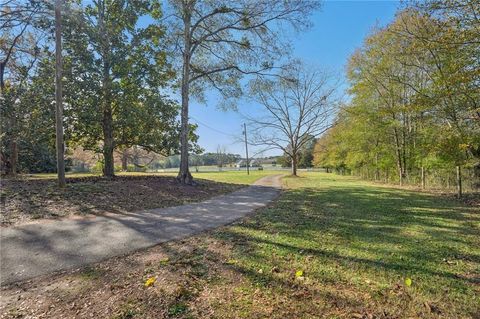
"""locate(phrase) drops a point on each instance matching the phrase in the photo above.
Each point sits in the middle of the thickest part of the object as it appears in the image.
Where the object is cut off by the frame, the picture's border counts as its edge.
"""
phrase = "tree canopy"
(415, 92)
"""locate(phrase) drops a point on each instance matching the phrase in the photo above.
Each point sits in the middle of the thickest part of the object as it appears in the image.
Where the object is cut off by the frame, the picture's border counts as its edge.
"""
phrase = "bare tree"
(223, 40)
(221, 155)
(296, 107)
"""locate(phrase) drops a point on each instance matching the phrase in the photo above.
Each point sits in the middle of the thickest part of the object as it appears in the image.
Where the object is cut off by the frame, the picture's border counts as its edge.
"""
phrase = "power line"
(213, 129)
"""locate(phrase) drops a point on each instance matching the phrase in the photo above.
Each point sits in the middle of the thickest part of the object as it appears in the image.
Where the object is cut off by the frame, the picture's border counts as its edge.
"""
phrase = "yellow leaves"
(299, 275)
(408, 282)
(150, 281)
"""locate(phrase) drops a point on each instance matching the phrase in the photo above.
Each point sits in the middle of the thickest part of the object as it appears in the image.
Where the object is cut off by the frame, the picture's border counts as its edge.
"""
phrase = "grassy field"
(234, 177)
(330, 247)
(359, 247)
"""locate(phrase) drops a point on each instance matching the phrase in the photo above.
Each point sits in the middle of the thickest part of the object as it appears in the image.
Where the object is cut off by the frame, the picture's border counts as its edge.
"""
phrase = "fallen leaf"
(150, 281)
(408, 282)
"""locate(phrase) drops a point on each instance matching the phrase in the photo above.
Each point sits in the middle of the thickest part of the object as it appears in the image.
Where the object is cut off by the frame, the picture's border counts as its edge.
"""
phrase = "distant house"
(267, 161)
(243, 163)
(254, 163)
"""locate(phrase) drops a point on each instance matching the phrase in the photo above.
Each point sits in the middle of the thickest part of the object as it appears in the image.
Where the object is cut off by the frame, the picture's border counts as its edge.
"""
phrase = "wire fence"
(446, 179)
(433, 179)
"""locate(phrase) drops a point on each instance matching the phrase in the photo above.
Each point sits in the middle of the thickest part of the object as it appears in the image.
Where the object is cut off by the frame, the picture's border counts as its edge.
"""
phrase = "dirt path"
(36, 249)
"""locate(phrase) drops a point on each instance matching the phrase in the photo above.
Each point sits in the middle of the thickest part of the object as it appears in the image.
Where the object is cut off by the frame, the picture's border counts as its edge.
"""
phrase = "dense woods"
(414, 111)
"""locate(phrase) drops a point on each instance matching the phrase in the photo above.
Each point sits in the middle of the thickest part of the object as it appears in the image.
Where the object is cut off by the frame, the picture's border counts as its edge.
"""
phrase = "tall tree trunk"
(13, 160)
(2, 74)
(459, 182)
(108, 144)
(184, 175)
(124, 160)
(58, 95)
(423, 178)
(294, 165)
(377, 171)
(107, 121)
(11, 157)
(399, 156)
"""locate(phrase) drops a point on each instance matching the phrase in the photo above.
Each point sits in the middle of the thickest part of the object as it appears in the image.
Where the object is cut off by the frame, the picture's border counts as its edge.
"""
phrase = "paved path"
(36, 249)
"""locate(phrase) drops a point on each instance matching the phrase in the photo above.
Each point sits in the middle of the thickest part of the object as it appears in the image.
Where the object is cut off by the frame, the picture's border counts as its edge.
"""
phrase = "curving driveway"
(36, 249)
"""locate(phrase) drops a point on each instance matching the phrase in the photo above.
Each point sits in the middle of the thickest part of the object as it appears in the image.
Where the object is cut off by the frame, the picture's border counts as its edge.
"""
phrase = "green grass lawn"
(234, 177)
(356, 244)
(329, 247)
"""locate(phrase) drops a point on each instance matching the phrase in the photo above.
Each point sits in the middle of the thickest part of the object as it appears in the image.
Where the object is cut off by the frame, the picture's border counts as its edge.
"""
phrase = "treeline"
(304, 155)
(206, 159)
(137, 159)
(415, 107)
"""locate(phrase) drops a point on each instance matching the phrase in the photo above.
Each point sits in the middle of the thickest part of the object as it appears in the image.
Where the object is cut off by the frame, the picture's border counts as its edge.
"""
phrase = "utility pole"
(246, 145)
(58, 94)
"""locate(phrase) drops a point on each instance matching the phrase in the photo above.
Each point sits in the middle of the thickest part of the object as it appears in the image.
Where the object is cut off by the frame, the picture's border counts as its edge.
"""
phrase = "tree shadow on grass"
(24, 200)
(377, 234)
(399, 231)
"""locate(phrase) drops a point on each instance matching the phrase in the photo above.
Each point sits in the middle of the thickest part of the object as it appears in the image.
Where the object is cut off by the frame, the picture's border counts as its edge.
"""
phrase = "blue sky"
(339, 28)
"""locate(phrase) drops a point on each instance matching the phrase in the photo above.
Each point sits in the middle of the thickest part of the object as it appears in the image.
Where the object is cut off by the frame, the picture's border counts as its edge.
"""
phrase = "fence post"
(459, 182)
(423, 177)
(448, 180)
